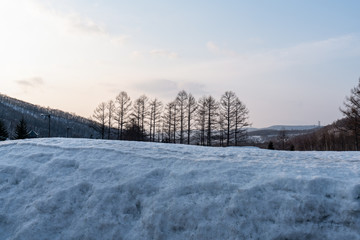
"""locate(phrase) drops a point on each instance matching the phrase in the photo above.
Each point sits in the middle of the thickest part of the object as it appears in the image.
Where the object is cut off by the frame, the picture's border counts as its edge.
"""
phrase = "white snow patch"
(93, 189)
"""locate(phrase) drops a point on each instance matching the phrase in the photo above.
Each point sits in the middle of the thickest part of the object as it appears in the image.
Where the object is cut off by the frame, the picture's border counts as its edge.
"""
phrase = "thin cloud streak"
(164, 53)
(87, 26)
(214, 48)
(309, 53)
(168, 89)
(30, 83)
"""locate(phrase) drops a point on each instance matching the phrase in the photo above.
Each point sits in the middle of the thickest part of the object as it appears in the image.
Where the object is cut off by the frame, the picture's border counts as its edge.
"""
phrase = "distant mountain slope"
(292, 127)
(266, 134)
(333, 137)
(285, 127)
(62, 124)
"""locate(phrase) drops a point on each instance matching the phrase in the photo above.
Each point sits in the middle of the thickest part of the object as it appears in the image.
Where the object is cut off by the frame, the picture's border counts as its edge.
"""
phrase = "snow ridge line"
(64, 148)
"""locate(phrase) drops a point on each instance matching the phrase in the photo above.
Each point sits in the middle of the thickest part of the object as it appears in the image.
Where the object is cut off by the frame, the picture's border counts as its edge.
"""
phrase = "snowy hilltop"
(95, 189)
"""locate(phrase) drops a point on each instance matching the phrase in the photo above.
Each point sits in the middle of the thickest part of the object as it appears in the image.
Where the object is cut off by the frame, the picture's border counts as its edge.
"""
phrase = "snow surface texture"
(94, 189)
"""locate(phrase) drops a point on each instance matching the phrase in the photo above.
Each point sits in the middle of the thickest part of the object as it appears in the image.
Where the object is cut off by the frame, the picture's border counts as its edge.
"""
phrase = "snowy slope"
(93, 189)
(292, 127)
(285, 127)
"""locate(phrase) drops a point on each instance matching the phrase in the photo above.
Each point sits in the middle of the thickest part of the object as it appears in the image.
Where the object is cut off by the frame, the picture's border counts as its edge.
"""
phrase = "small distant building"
(32, 134)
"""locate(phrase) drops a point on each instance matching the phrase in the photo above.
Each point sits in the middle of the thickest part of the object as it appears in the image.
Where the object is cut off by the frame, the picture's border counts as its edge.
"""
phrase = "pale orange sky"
(72, 55)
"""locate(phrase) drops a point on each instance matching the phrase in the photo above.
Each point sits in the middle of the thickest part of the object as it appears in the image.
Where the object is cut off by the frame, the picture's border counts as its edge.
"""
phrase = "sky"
(290, 62)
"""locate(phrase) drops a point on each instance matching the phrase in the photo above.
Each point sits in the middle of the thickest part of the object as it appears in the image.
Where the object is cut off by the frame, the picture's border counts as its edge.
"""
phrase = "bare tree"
(191, 107)
(123, 105)
(167, 121)
(155, 113)
(100, 116)
(110, 107)
(351, 111)
(151, 117)
(140, 112)
(181, 100)
(227, 111)
(136, 113)
(201, 119)
(222, 129)
(241, 120)
(178, 119)
(211, 114)
(174, 120)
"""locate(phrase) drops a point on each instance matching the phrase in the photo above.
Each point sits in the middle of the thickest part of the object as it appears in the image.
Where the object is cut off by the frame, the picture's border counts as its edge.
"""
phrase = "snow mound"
(93, 189)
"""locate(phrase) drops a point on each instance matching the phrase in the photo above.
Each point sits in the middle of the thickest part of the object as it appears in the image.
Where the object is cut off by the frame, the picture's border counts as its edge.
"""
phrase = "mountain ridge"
(62, 124)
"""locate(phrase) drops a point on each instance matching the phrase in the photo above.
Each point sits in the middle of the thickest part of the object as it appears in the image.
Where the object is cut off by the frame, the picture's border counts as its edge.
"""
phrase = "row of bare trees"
(184, 120)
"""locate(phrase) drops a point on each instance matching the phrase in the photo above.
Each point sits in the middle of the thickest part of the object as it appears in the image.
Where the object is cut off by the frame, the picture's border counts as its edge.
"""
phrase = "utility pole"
(49, 117)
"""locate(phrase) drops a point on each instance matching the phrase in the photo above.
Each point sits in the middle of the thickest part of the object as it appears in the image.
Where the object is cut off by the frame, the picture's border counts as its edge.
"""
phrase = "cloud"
(168, 88)
(75, 23)
(120, 40)
(158, 86)
(81, 25)
(193, 88)
(212, 47)
(137, 55)
(256, 41)
(163, 53)
(301, 56)
(87, 26)
(30, 83)
(316, 51)
(158, 53)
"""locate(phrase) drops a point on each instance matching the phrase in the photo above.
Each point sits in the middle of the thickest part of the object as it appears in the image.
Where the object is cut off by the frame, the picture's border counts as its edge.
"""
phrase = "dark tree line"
(183, 120)
(21, 131)
(3, 132)
(329, 138)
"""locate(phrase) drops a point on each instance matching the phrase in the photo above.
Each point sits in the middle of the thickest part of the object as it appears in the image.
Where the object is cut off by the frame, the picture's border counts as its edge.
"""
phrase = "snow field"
(93, 189)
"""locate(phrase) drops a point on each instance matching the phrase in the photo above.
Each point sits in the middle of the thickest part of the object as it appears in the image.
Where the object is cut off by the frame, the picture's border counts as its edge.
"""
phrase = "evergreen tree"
(292, 147)
(21, 131)
(133, 132)
(271, 146)
(3, 132)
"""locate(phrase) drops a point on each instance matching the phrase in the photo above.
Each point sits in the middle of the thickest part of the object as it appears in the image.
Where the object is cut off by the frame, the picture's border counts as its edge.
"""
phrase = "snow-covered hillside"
(93, 189)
